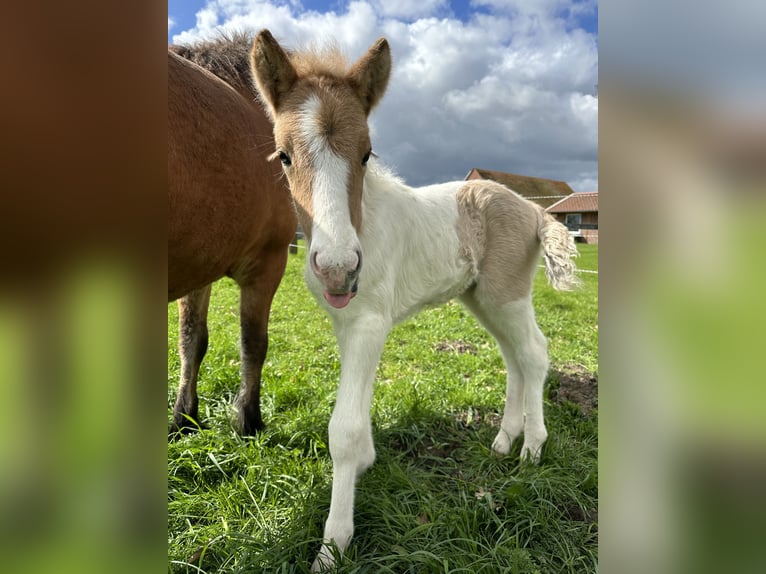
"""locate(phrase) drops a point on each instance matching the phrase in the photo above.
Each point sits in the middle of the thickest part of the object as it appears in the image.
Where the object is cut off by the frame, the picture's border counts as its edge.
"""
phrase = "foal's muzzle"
(340, 281)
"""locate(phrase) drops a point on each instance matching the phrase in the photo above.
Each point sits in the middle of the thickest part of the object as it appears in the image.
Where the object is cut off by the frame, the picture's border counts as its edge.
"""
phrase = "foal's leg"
(192, 346)
(525, 352)
(350, 429)
(512, 423)
(256, 295)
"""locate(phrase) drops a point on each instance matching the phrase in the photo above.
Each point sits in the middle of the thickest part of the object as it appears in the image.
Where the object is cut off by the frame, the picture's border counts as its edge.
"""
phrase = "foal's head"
(320, 108)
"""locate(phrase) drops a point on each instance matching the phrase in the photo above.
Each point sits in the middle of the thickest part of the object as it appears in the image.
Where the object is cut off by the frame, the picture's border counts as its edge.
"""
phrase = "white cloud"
(523, 6)
(353, 29)
(545, 8)
(407, 9)
(171, 23)
(500, 91)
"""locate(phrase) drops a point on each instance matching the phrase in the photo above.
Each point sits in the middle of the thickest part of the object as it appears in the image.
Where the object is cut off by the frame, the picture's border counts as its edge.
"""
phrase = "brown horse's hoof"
(183, 425)
(251, 427)
(249, 419)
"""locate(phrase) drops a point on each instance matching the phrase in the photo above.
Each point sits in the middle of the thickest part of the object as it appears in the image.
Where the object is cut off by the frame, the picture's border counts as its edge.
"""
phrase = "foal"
(381, 251)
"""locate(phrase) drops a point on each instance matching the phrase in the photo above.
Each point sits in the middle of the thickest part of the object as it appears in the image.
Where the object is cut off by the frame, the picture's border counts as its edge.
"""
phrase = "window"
(573, 220)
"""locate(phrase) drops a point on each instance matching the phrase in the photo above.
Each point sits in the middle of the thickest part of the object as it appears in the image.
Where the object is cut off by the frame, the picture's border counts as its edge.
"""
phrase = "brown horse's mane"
(226, 56)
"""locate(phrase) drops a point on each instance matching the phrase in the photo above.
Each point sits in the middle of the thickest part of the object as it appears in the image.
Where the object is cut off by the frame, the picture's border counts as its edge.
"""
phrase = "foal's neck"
(380, 179)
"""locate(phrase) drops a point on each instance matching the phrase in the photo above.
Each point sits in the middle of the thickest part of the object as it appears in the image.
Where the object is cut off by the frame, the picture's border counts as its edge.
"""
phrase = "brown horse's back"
(229, 206)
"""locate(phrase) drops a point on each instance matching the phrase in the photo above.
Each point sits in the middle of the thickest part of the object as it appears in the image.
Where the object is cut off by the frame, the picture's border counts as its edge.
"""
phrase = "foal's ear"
(369, 76)
(273, 73)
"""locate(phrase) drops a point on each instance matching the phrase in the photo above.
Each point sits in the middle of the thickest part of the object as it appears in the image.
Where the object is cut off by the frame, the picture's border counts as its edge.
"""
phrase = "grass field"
(436, 499)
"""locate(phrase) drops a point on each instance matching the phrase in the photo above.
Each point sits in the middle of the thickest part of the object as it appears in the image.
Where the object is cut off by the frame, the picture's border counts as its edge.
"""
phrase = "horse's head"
(320, 108)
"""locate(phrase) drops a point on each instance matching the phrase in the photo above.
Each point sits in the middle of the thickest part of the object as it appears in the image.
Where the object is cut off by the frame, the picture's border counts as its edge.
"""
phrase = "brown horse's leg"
(255, 304)
(192, 345)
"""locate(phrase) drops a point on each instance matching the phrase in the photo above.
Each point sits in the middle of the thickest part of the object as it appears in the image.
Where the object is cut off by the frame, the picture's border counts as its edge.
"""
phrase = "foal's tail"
(558, 251)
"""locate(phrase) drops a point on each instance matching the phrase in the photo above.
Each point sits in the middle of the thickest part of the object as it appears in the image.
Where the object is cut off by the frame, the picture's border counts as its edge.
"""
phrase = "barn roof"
(576, 203)
(542, 191)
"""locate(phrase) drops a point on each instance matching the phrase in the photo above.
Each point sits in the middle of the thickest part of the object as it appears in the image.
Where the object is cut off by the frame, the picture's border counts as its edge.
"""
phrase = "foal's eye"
(366, 158)
(285, 159)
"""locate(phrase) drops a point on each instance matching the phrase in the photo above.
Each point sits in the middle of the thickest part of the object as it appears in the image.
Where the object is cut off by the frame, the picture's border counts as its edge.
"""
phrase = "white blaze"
(333, 238)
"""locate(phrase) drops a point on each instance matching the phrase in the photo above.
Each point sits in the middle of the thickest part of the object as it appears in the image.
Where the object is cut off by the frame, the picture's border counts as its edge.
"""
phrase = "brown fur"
(495, 226)
(230, 214)
(226, 58)
(348, 94)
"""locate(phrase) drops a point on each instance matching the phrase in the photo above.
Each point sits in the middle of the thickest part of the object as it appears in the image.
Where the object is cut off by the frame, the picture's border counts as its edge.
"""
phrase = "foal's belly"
(415, 291)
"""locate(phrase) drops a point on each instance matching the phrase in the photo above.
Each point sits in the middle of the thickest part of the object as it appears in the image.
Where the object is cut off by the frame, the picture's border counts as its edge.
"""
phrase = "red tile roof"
(543, 191)
(576, 203)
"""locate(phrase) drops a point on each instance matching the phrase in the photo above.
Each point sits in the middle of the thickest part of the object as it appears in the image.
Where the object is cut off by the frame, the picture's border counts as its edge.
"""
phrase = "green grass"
(436, 499)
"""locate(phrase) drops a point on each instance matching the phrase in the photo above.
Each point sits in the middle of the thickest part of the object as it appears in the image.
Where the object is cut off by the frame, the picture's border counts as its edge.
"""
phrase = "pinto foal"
(379, 251)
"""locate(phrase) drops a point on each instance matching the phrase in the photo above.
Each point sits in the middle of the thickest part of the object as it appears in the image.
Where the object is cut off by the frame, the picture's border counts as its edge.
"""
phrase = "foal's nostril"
(340, 272)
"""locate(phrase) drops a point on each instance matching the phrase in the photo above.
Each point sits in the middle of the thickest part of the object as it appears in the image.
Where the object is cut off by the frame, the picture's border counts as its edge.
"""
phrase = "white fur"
(409, 247)
(412, 259)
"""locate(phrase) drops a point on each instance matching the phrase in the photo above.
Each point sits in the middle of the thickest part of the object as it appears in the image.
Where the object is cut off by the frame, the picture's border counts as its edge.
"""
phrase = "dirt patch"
(577, 514)
(577, 386)
(457, 346)
(472, 418)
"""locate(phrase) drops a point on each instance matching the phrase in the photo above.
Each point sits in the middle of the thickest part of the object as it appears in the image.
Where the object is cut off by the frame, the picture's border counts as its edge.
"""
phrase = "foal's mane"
(324, 61)
(227, 56)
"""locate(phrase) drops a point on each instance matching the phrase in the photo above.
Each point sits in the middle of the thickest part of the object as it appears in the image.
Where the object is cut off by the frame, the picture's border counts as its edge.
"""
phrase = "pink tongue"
(338, 301)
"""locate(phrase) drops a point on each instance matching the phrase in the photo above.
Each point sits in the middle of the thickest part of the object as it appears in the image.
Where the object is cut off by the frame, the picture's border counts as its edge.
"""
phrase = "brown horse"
(230, 214)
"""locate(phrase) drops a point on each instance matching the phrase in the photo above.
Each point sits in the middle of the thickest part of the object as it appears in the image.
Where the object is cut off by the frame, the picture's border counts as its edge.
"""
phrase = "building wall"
(590, 236)
(588, 218)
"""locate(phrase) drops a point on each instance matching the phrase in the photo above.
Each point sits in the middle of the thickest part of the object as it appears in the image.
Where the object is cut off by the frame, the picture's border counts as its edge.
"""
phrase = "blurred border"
(683, 175)
(82, 288)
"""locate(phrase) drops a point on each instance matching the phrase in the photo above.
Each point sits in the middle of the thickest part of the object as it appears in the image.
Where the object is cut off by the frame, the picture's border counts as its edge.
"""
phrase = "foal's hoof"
(530, 454)
(533, 445)
(501, 446)
(324, 562)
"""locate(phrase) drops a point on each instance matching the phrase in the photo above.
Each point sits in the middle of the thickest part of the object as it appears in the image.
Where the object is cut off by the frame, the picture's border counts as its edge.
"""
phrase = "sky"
(506, 85)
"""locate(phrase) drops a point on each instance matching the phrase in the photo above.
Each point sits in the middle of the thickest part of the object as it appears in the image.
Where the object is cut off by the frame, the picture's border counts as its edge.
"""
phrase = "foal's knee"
(351, 442)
